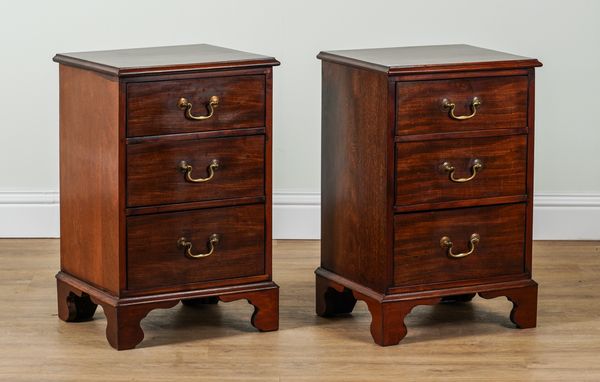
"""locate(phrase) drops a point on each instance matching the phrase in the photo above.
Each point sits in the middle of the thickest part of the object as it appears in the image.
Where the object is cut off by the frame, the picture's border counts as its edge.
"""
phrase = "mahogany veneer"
(133, 215)
(419, 110)
(152, 181)
(420, 178)
(150, 108)
(426, 182)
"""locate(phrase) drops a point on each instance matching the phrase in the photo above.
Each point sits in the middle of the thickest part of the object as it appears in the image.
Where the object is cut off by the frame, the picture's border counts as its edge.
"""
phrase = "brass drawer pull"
(450, 105)
(187, 169)
(446, 243)
(213, 240)
(477, 165)
(186, 105)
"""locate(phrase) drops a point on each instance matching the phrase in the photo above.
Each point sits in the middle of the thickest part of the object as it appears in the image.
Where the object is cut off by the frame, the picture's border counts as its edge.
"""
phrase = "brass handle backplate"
(477, 165)
(186, 105)
(187, 169)
(450, 105)
(447, 244)
(213, 240)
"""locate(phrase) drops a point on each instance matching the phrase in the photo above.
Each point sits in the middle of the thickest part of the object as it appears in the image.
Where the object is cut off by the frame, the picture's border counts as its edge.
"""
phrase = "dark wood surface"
(422, 59)
(73, 304)
(125, 257)
(354, 197)
(154, 259)
(419, 258)
(450, 135)
(197, 135)
(163, 59)
(461, 203)
(385, 137)
(124, 315)
(89, 177)
(420, 109)
(152, 106)
(265, 317)
(420, 177)
(154, 176)
(388, 311)
(524, 311)
(269, 174)
(331, 299)
(132, 211)
(530, 175)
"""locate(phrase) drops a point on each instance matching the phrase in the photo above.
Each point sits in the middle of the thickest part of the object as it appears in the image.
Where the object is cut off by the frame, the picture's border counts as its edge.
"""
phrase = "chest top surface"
(428, 58)
(124, 62)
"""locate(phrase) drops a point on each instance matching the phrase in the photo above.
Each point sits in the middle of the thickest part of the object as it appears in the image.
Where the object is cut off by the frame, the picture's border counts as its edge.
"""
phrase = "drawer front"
(437, 171)
(156, 175)
(419, 257)
(420, 105)
(156, 258)
(153, 107)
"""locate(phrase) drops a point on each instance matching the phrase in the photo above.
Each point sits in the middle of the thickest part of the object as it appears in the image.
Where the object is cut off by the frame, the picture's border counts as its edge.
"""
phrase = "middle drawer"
(195, 170)
(455, 169)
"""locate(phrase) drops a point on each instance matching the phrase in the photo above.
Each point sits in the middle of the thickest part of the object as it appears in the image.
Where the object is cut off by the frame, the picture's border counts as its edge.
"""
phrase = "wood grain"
(428, 59)
(419, 258)
(124, 254)
(154, 259)
(154, 176)
(124, 314)
(123, 329)
(420, 177)
(420, 109)
(90, 161)
(152, 106)
(163, 59)
(73, 304)
(403, 176)
(445, 342)
(524, 311)
(354, 187)
(530, 175)
(266, 307)
(193, 205)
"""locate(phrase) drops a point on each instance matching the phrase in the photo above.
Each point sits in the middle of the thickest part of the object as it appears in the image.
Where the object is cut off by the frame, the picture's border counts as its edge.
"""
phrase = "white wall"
(565, 36)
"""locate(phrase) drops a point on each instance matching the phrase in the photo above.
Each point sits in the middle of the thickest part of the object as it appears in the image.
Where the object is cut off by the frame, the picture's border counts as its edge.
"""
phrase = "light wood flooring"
(464, 342)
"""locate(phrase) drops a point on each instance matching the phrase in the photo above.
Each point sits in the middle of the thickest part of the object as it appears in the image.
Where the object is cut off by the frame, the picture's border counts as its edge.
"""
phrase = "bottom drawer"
(157, 256)
(420, 257)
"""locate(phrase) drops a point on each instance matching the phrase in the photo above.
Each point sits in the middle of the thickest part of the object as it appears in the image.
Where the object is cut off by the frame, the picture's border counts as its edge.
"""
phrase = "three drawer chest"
(427, 182)
(165, 184)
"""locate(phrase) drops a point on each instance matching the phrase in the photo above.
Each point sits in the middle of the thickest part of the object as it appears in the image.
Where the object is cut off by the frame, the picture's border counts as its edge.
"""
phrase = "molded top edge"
(128, 62)
(428, 58)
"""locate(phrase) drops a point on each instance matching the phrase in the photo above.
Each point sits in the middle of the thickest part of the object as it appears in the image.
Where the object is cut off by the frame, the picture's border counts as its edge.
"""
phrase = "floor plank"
(466, 342)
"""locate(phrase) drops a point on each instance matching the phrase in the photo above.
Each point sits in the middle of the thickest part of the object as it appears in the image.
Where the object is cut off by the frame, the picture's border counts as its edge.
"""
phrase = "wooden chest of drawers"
(427, 181)
(165, 181)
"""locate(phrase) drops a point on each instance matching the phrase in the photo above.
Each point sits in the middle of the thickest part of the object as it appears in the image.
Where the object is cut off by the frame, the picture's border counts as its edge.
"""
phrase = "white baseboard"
(566, 217)
(297, 215)
(29, 214)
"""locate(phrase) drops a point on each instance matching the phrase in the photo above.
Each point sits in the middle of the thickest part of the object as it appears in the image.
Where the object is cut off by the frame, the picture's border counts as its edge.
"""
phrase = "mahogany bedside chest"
(427, 182)
(165, 184)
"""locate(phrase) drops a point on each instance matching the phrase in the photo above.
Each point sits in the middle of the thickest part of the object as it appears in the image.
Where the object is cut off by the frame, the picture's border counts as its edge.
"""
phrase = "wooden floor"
(467, 342)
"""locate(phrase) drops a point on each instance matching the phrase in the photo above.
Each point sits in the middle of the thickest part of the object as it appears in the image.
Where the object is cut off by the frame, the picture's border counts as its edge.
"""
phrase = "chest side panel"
(355, 226)
(89, 177)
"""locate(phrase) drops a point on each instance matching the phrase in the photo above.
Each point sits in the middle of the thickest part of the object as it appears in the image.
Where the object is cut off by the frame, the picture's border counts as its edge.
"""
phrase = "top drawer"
(153, 108)
(425, 107)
